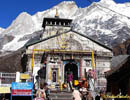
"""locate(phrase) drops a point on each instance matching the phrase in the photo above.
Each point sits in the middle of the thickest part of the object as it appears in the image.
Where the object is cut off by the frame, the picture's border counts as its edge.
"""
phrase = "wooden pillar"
(114, 88)
(109, 85)
(80, 67)
(129, 88)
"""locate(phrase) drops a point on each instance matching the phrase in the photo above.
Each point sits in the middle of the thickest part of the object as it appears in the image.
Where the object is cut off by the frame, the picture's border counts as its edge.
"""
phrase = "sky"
(10, 9)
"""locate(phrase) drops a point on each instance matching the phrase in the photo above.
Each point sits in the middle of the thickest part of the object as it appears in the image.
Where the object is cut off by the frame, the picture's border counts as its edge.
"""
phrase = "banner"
(4, 90)
(22, 89)
(22, 92)
(24, 76)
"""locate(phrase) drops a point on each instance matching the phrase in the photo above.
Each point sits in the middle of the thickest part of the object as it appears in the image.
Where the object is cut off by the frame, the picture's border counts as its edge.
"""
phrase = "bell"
(52, 60)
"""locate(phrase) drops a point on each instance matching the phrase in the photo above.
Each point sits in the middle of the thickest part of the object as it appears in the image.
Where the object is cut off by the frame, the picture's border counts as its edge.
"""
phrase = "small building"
(118, 78)
(61, 49)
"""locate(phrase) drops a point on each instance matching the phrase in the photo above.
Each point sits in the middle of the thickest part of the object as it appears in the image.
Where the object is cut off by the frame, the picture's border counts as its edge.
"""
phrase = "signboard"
(22, 86)
(22, 92)
(24, 76)
(4, 89)
(22, 89)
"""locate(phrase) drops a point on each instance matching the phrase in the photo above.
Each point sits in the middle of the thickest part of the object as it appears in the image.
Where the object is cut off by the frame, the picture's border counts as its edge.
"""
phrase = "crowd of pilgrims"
(80, 89)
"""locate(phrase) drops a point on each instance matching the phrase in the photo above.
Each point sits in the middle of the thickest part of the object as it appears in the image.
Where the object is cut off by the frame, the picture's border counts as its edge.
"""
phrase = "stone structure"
(61, 49)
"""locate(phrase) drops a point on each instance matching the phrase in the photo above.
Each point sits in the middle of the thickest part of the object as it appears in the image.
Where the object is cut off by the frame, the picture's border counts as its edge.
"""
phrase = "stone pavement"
(60, 95)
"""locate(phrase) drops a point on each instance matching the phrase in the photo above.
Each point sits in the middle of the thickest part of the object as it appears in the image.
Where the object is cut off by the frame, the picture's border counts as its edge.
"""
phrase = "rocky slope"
(122, 48)
(11, 63)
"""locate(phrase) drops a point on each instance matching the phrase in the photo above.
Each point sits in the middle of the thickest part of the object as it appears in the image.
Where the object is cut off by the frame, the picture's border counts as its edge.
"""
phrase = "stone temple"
(60, 49)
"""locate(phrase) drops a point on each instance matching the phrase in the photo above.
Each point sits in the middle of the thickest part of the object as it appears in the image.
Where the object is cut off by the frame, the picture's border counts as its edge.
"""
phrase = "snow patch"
(14, 44)
(1, 30)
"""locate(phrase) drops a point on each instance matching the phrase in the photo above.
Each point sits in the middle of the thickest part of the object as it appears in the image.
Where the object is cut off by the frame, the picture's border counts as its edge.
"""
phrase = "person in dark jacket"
(97, 97)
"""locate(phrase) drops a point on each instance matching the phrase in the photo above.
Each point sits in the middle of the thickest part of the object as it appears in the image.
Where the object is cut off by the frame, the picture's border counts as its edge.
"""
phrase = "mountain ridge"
(1, 29)
(110, 26)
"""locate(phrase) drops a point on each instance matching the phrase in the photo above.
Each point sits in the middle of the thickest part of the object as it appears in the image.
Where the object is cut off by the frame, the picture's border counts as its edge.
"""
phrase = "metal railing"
(7, 78)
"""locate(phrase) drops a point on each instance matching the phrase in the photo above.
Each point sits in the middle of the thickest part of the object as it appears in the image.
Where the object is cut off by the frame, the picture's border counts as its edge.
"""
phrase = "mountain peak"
(107, 1)
(68, 2)
(23, 14)
(66, 8)
(97, 22)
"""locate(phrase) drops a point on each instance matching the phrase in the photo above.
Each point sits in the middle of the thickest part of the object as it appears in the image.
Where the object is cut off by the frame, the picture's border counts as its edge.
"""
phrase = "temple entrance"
(71, 68)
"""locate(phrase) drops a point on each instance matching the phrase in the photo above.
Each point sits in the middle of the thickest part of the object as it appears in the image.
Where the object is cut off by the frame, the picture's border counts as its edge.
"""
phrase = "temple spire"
(57, 15)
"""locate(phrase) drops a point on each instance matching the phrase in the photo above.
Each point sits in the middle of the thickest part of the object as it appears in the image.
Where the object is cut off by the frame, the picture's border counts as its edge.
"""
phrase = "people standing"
(97, 97)
(41, 95)
(47, 91)
(70, 79)
(84, 83)
(76, 94)
(84, 93)
(89, 96)
(100, 96)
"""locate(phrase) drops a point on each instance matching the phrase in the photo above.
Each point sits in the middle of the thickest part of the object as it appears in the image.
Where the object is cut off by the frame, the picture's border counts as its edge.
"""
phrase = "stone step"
(67, 97)
(60, 98)
(60, 95)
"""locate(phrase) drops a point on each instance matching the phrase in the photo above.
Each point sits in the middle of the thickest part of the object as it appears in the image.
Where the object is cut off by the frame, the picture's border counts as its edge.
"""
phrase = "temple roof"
(56, 22)
(117, 63)
(37, 39)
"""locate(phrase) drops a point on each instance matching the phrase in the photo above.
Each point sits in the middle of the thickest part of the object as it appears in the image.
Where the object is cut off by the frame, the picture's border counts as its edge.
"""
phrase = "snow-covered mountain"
(105, 21)
(1, 30)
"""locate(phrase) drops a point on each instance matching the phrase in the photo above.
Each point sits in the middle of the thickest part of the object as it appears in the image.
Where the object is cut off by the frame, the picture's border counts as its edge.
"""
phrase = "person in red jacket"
(84, 83)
